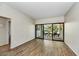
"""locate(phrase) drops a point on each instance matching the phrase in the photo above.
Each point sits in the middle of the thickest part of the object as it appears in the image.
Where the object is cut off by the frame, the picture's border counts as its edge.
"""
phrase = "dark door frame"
(9, 33)
(52, 30)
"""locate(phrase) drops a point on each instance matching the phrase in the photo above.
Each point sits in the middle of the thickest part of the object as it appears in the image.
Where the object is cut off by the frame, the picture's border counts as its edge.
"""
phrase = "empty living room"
(39, 28)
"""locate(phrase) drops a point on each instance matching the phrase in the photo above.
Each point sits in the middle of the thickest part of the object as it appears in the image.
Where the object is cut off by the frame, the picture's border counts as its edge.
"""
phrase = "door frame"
(52, 30)
(9, 29)
(9, 22)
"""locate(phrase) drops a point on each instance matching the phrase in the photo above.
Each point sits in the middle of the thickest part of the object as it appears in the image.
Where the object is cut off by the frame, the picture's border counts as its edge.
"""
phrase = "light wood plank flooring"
(39, 47)
(4, 48)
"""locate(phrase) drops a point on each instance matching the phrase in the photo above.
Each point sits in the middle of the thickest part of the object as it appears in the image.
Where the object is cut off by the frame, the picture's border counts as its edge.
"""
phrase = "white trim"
(71, 48)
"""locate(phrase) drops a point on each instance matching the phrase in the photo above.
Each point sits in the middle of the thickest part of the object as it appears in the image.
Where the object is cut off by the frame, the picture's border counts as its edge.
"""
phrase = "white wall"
(22, 27)
(50, 20)
(3, 32)
(72, 28)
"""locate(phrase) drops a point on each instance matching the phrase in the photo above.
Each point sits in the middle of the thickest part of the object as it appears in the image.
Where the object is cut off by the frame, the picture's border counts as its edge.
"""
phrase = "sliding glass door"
(50, 31)
(58, 32)
(39, 31)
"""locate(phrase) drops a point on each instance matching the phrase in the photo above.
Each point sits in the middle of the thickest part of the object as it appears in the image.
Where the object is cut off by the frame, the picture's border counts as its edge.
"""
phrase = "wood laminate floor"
(39, 47)
(4, 48)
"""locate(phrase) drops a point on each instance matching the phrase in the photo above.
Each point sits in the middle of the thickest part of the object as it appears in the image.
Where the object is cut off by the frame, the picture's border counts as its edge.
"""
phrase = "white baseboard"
(72, 49)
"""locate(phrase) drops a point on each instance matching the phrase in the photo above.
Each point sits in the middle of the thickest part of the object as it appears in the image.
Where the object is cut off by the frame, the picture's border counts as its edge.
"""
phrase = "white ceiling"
(39, 10)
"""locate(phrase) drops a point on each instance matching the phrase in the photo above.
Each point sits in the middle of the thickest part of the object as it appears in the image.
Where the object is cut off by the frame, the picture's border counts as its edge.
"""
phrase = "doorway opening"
(5, 34)
(54, 31)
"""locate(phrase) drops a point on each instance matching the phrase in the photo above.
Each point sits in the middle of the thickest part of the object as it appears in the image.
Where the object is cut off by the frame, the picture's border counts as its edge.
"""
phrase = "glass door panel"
(48, 31)
(58, 32)
(39, 31)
